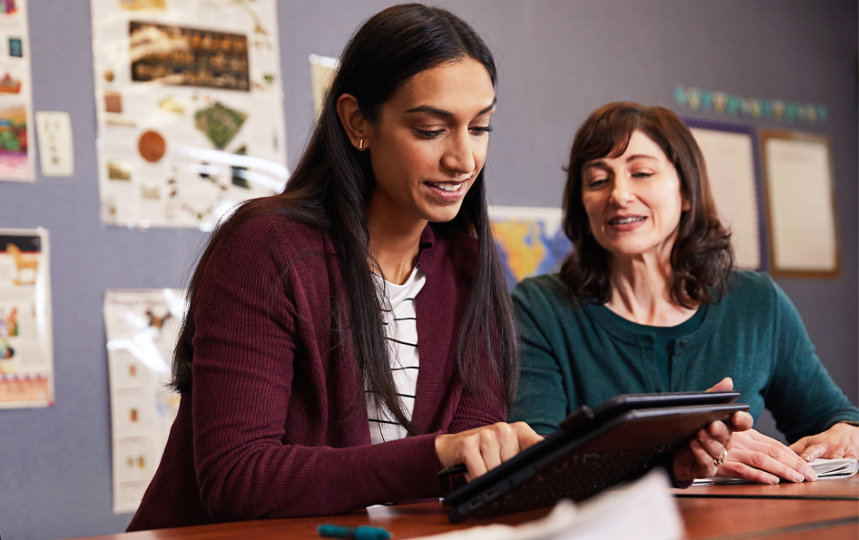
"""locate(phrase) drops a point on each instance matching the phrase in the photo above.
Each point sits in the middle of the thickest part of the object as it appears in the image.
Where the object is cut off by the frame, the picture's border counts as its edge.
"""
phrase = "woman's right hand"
(757, 458)
(483, 448)
(708, 448)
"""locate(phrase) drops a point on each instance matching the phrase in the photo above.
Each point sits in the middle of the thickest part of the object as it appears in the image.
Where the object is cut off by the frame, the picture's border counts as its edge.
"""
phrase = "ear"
(352, 120)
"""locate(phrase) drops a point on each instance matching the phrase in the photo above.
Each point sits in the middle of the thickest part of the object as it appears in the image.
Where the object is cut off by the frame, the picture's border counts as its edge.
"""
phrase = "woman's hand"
(758, 458)
(841, 440)
(708, 449)
(483, 448)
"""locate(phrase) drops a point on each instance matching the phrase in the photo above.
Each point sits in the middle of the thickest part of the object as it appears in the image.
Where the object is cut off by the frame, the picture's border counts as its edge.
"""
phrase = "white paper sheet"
(141, 327)
(26, 335)
(731, 168)
(801, 206)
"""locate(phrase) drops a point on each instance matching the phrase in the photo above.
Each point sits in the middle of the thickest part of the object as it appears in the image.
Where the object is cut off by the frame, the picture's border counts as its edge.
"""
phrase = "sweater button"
(684, 342)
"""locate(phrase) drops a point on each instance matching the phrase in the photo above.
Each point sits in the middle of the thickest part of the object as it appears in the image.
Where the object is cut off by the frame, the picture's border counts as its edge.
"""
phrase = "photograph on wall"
(17, 148)
(731, 158)
(189, 106)
(530, 240)
(141, 327)
(800, 197)
(26, 339)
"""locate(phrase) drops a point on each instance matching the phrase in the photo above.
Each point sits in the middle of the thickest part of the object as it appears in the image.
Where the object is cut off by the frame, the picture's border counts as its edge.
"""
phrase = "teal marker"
(358, 533)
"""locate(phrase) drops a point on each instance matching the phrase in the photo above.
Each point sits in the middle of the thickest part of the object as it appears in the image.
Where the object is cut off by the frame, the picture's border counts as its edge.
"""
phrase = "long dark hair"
(332, 185)
(701, 258)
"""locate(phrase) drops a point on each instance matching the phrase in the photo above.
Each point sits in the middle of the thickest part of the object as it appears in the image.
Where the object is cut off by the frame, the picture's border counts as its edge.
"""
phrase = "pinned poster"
(189, 105)
(322, 70)
(141, 326)
(26, 338)
(17, 150)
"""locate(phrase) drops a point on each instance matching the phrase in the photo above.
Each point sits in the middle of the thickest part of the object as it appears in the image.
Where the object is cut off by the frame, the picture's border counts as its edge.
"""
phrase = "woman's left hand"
(839, 441)
(708, 449)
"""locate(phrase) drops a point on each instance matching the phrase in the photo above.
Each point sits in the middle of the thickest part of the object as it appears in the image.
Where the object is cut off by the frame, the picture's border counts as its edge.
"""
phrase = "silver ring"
(721, 459)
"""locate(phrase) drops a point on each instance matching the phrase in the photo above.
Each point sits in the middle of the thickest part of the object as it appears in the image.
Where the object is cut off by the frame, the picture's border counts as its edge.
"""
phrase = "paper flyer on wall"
(141, 327)
(322, 71)
(26, 337)
(189, 105)
(17, 146)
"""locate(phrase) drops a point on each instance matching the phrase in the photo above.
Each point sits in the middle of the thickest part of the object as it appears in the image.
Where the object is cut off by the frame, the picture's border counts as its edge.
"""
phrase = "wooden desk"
(827, 508)
(761, 518)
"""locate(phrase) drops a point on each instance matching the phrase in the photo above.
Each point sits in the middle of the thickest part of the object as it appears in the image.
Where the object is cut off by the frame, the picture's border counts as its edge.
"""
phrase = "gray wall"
(558, 60)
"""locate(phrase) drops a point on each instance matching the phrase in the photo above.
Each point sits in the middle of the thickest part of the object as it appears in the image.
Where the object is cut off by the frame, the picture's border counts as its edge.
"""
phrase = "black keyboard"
(577, 477)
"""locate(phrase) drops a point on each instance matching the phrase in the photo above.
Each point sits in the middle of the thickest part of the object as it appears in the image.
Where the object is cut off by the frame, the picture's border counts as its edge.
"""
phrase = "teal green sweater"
(583, 354)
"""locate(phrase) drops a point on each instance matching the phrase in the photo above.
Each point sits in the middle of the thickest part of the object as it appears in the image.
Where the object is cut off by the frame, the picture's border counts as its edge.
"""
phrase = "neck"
(394, 244)
(641, 292)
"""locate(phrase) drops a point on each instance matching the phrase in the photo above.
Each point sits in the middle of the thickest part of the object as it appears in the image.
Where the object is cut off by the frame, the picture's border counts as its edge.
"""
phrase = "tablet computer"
(592, 450)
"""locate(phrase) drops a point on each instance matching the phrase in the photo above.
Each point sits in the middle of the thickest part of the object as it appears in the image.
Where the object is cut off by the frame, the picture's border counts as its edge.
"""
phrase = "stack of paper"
(825, 469)
(835, 468)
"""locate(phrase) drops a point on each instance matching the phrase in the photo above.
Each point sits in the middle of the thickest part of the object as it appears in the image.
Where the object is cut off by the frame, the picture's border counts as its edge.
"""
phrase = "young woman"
(363, 304)
(648, 301)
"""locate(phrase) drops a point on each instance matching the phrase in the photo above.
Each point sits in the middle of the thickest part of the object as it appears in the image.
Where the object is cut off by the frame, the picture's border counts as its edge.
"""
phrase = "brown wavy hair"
(702, 257)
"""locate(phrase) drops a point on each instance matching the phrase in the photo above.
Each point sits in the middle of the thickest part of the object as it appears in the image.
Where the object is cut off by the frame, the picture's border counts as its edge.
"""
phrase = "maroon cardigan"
(276, 424)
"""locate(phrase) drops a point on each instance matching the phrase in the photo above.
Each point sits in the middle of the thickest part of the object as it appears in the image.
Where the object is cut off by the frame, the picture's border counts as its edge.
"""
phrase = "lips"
(626, 220)
(449, 187)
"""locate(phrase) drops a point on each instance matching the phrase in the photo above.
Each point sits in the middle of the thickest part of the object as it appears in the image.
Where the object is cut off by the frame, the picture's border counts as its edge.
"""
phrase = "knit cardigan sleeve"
(276, 429)
(545, 386)
(801, 394)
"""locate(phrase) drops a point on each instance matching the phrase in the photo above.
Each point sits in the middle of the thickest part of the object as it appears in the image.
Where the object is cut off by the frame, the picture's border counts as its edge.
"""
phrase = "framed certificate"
(800, 202)
(731, 155)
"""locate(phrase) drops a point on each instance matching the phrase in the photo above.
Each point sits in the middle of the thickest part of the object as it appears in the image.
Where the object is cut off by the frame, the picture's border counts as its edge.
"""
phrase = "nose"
(621, 191)
(459, 154)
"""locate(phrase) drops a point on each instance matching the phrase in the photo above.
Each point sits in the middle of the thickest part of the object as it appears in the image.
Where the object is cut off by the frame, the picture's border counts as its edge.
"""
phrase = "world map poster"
(530, 240)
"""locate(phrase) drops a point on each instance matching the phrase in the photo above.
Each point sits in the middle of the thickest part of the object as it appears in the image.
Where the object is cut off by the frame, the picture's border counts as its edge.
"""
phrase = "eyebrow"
(640, 156)
(594, 163)
(447, 114)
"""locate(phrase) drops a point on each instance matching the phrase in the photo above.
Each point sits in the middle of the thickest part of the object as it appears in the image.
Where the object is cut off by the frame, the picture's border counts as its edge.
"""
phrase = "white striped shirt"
(400, 328)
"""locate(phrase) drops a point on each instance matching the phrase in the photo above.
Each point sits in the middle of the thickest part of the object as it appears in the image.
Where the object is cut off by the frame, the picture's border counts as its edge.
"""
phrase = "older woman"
(648, 301)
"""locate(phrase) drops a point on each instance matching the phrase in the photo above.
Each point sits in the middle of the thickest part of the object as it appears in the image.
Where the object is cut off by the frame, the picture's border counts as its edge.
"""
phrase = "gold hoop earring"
(361, 144)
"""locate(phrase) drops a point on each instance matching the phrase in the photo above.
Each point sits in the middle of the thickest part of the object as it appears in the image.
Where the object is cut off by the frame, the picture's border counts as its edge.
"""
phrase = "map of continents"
(530, 241)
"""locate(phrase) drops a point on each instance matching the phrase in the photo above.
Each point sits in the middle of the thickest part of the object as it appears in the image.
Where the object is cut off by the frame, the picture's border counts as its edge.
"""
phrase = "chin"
(443, 216)
(442, 220)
